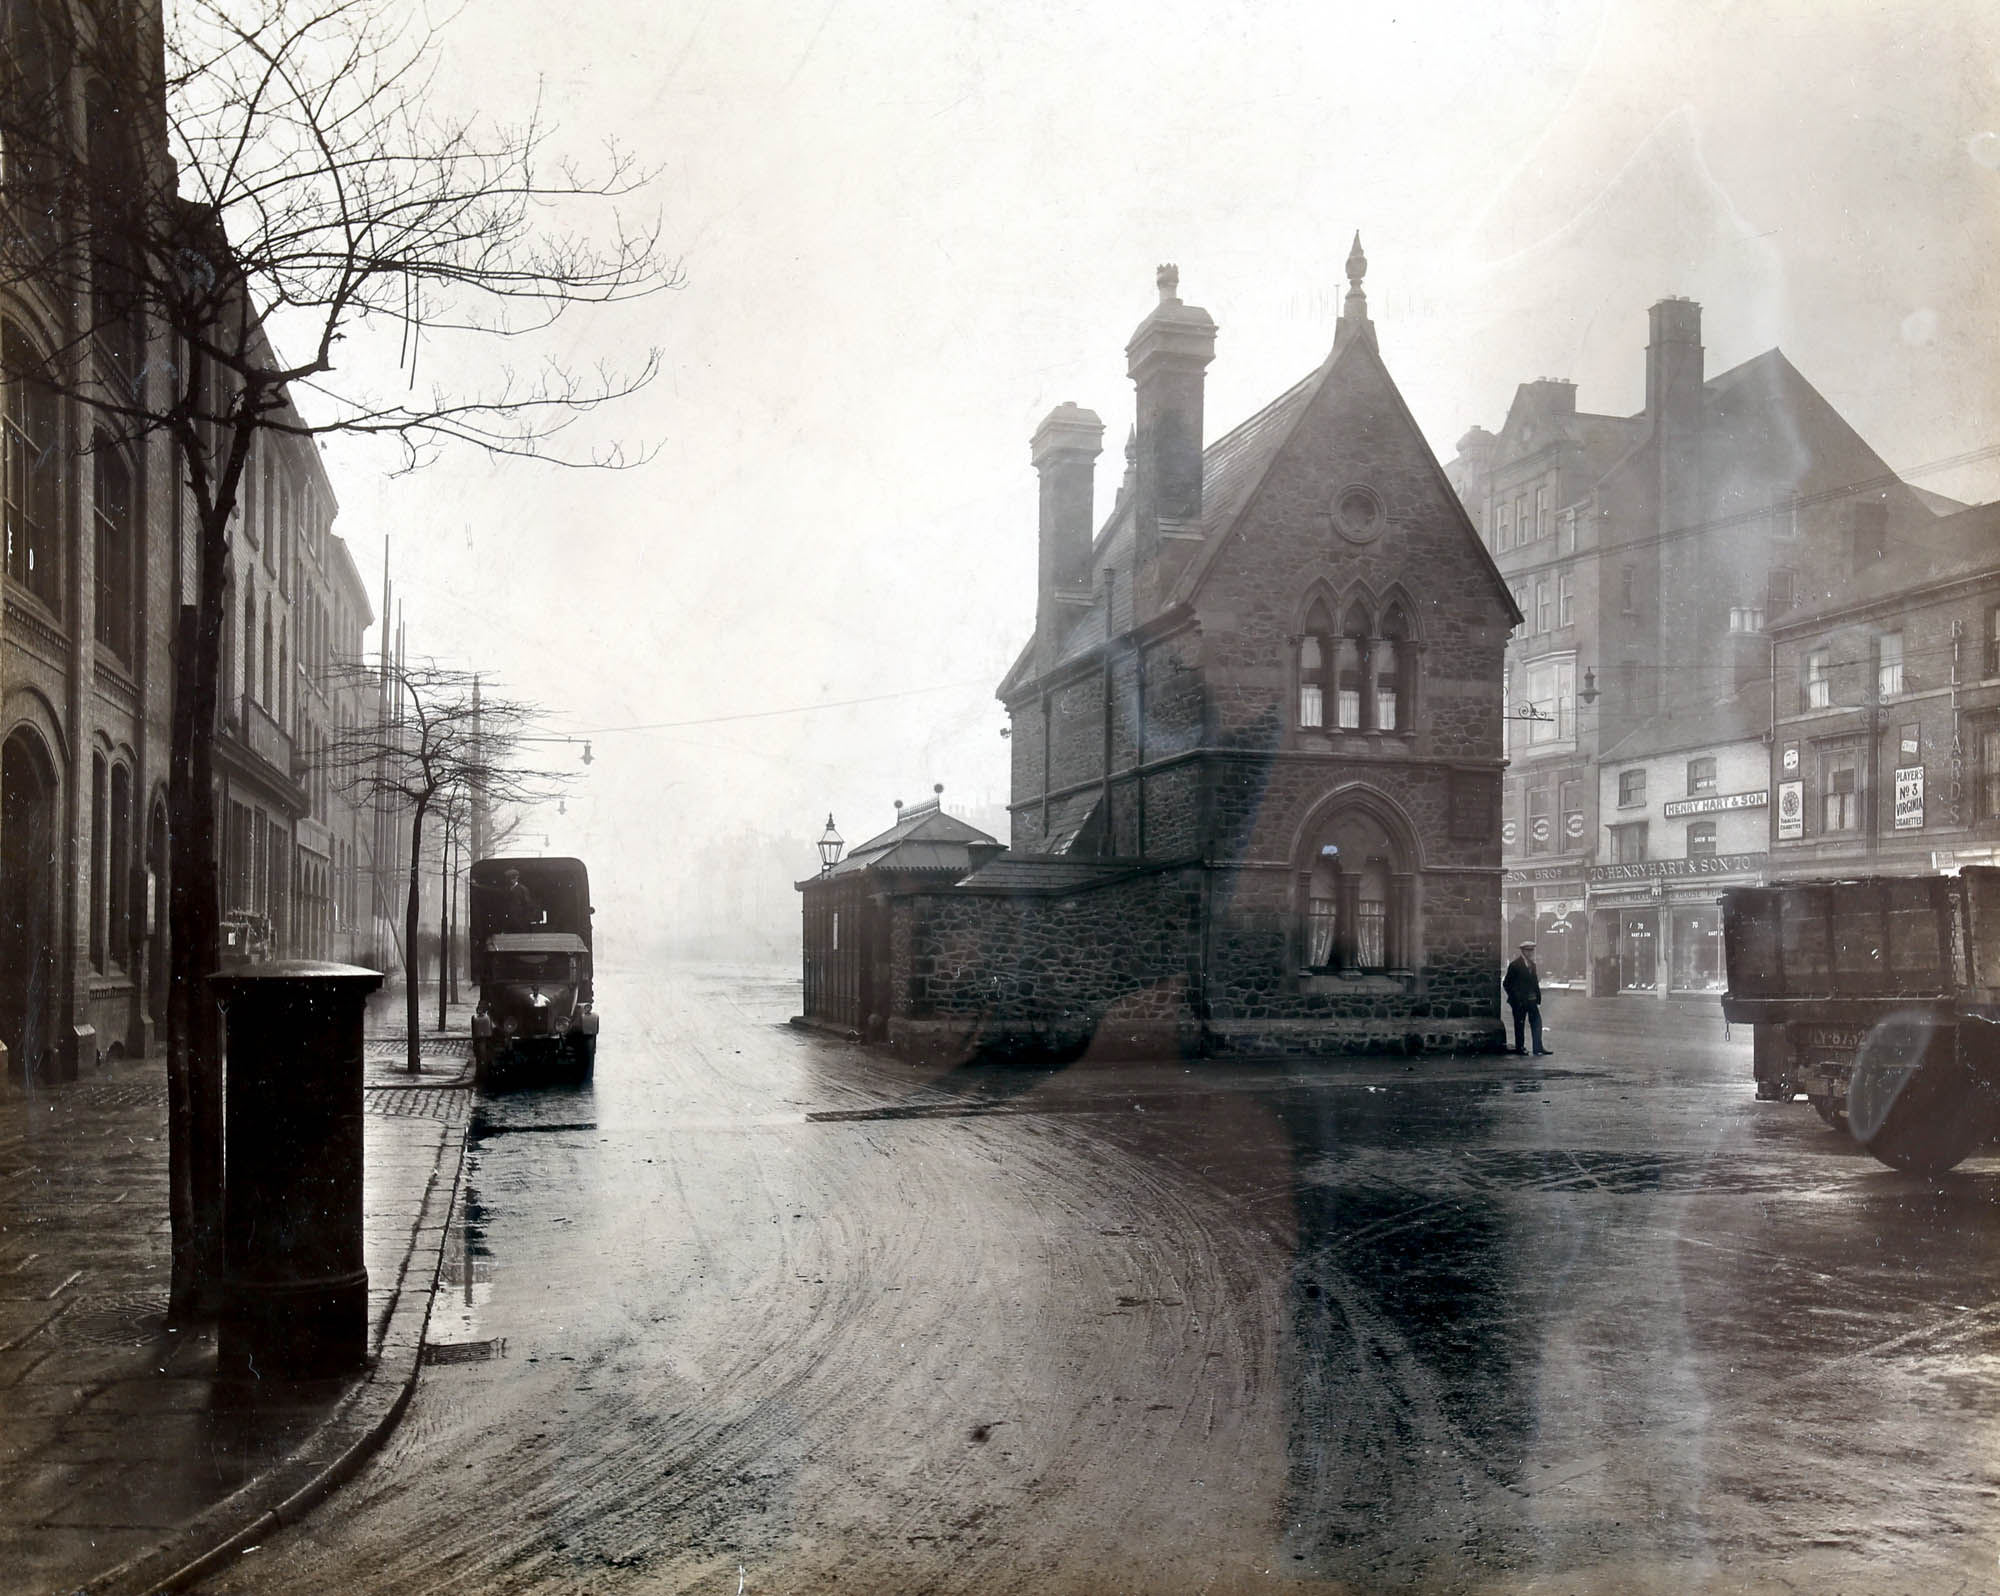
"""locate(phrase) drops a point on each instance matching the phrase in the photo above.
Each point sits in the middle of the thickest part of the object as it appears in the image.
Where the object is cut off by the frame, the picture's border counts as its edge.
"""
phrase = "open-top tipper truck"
(1878, 998)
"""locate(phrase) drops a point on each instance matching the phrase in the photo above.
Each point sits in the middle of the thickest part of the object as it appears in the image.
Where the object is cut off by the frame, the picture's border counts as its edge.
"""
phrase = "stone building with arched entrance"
(1256, 739)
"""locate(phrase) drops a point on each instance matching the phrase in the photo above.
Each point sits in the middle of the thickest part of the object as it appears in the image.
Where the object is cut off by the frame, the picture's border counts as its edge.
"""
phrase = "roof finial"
(1168, 277)
(1354, 313)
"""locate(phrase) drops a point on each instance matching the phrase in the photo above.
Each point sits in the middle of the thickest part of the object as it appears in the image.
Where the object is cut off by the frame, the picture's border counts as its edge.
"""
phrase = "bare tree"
(174, 178)
(444, 741)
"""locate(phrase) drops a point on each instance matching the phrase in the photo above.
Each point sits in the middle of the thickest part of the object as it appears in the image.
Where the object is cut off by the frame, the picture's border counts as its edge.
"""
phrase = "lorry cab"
(531, 956)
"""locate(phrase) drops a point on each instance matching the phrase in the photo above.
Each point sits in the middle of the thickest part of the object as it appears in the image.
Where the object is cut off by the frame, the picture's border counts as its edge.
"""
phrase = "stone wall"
(1107, 964)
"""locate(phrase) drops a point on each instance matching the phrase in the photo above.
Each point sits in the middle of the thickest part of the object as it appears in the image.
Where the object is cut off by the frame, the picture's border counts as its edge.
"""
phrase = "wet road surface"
(762, 1311)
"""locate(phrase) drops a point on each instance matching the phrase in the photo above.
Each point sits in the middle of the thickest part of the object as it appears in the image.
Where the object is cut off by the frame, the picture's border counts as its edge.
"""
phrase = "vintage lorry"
(1878, 999)
(530, 952)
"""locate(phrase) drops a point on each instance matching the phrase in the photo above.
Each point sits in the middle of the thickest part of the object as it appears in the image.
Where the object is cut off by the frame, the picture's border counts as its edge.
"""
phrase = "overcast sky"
(909, 230)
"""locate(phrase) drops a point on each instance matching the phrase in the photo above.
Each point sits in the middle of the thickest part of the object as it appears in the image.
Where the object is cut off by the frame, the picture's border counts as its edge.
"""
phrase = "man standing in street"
(1524, 996)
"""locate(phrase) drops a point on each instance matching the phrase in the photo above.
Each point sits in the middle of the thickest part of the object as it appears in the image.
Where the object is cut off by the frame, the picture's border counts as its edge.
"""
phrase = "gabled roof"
(1231, 467)
(1232, 470)
(924, 839)
(1280, 424)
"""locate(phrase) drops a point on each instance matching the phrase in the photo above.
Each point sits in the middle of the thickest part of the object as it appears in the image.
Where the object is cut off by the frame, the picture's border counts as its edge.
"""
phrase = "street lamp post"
(830, 844)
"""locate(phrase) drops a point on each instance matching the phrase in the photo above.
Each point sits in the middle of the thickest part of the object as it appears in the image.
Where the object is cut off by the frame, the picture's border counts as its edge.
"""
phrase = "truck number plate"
(1832, 1038)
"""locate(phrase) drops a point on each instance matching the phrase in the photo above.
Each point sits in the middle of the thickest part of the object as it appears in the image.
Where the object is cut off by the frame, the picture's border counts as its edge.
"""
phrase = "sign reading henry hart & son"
(1712, 864)
(1715, 803)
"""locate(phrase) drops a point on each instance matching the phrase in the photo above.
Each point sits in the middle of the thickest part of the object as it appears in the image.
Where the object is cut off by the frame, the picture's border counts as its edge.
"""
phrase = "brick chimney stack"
(1166, 359)
(1064, 449)
(1674, 363)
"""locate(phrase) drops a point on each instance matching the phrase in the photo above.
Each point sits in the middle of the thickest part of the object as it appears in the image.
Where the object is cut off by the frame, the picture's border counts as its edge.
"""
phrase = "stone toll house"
(1256, 743)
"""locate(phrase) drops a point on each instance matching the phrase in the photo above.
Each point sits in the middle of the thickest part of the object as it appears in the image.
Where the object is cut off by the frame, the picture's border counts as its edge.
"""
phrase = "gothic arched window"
(1395, 673)
(1313, 648)
(1351, 669)
(1358, 899)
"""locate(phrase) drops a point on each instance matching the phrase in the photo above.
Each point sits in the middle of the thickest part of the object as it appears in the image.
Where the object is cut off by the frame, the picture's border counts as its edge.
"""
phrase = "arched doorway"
(28, 875)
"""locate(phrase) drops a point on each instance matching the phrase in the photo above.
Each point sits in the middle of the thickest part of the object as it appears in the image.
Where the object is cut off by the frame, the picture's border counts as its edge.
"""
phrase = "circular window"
(1357, 514)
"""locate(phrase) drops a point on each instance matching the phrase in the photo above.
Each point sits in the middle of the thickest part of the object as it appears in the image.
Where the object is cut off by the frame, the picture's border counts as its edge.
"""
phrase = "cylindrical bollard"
(295, 1303)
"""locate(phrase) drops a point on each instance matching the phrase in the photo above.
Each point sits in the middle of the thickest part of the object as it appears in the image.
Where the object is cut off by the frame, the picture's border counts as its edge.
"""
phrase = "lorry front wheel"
(583, 1056)
(1831, 1110)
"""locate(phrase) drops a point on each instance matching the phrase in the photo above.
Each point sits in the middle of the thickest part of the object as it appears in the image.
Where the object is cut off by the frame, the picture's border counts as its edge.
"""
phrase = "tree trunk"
(444, 915)
(413, 1038)
(194, 1048)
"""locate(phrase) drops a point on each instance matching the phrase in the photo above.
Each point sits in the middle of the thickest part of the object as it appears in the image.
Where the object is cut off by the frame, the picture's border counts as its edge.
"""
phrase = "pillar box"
(295, 1296)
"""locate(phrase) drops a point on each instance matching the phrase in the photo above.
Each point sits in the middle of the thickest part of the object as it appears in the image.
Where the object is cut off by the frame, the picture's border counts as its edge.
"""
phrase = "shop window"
(1631, 787)
(1697, 933)
(1701, 776)
(1700, 838)
(1818, 682)
(1628, 843)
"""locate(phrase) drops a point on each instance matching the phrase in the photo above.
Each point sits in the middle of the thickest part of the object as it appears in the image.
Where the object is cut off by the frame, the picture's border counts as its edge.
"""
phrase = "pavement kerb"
(341, 1444)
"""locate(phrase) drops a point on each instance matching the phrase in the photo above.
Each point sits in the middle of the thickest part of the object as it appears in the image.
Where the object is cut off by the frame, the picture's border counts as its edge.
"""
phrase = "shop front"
(1662, 921)
(1546, 905)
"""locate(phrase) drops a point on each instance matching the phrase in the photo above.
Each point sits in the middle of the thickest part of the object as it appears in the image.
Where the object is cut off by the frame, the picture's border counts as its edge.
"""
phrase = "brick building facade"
(1256, 738)
(99, 566)
(1885, 754)
(1650, 555)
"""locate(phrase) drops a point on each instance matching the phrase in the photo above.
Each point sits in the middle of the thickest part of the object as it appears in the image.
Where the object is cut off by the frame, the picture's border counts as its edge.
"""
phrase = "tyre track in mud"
(908, 1386)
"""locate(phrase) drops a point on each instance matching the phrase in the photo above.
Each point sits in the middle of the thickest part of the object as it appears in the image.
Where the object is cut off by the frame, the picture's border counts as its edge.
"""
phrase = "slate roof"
(923, 839)
(1231, 467)
(1028, 872)
(1744, 715)
(1067, 820)
(1950, 548)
